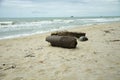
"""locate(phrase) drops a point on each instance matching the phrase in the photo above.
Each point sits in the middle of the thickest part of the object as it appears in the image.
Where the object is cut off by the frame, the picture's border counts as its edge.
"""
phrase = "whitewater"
(17, 27)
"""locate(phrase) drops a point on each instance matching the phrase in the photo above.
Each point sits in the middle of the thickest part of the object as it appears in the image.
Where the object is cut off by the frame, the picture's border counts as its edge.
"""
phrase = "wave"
(4, 23)
(28, 34)
(18, 28)
(101, 19)
(56, 21)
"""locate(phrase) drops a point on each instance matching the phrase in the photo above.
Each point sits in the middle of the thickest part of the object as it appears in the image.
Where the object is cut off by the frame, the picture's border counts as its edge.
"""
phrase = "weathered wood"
(66, 33)
(62, 41)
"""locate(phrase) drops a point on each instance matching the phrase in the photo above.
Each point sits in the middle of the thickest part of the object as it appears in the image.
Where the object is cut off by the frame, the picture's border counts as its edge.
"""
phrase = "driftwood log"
(66, 33)
(62, 41)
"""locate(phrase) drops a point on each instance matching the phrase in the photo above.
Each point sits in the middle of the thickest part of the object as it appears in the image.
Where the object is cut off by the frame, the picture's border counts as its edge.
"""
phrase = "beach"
(33, 58)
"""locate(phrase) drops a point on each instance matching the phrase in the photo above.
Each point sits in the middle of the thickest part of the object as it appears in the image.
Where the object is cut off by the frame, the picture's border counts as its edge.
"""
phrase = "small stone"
(4, 64)
(41, 61)
(106, 31)
(13, 66)
(83, 38)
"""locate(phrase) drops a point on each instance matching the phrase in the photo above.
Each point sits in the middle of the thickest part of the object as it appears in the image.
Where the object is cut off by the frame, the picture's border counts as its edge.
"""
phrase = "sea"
(17, 27)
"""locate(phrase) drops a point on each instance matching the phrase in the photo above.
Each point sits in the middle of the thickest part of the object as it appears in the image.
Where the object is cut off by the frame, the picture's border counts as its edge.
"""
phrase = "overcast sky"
(59, 8)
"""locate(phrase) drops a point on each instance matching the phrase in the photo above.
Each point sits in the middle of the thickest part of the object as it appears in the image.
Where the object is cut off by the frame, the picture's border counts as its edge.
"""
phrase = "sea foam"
(17, 27)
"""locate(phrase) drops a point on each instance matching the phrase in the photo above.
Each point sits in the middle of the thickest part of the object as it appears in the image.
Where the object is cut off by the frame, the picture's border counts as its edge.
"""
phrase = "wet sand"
(32, 58)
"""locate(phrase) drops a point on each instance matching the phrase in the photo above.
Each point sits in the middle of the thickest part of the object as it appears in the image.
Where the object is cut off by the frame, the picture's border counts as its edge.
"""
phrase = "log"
(66, 33)
(62, 41)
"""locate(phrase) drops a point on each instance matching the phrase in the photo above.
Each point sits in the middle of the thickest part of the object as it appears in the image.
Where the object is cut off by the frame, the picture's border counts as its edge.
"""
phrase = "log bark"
(62, 41)
(66, 33)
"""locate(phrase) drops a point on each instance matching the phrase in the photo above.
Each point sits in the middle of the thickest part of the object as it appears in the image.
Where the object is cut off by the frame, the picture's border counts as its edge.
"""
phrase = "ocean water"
(17, 27)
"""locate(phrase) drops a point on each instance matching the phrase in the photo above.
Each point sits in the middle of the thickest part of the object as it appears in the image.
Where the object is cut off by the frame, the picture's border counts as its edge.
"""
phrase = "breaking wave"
(23, 27)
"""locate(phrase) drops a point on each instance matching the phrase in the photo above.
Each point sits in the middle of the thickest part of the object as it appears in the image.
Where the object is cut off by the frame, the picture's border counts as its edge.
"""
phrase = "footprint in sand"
(18, 78)
(2, 75)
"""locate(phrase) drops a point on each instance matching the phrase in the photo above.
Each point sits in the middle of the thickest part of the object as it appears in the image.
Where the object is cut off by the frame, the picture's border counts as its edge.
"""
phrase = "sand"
(32, 58)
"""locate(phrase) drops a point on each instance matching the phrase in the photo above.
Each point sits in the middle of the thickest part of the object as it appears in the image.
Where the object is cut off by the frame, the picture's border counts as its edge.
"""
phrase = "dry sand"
(32, 58)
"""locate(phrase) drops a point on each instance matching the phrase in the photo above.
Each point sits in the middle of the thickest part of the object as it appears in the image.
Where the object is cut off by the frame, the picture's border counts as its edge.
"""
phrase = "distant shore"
(32, 58)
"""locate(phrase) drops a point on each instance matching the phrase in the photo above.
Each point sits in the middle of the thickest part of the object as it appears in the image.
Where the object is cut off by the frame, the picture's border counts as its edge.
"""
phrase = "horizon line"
(61, 17)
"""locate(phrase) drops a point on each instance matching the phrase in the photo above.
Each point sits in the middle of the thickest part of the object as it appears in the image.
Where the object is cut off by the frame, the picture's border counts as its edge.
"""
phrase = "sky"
(59, 8)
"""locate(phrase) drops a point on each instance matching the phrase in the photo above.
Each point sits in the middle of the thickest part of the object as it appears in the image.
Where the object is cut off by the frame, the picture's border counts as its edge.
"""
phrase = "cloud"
(56, 3)
(59, 7)
(1, 2)
(16, 3)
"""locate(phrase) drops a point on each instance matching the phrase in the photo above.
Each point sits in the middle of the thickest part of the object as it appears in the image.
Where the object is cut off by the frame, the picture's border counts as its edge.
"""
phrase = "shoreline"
(32, 58)
(78, 26)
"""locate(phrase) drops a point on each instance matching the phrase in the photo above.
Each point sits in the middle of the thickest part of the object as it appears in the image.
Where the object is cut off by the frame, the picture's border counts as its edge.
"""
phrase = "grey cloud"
(65, 1)
(1, 2)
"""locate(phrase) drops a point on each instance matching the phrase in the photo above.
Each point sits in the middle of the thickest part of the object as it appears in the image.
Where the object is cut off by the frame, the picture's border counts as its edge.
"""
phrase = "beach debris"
(41, 61)
(66, 33)
(10, 67)
(114, 40)
(7, 66)
(62, 41)
(83, 38)
(94, 52)
(96, 61)
(29, 55)
(3, 64)
(106, 31)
